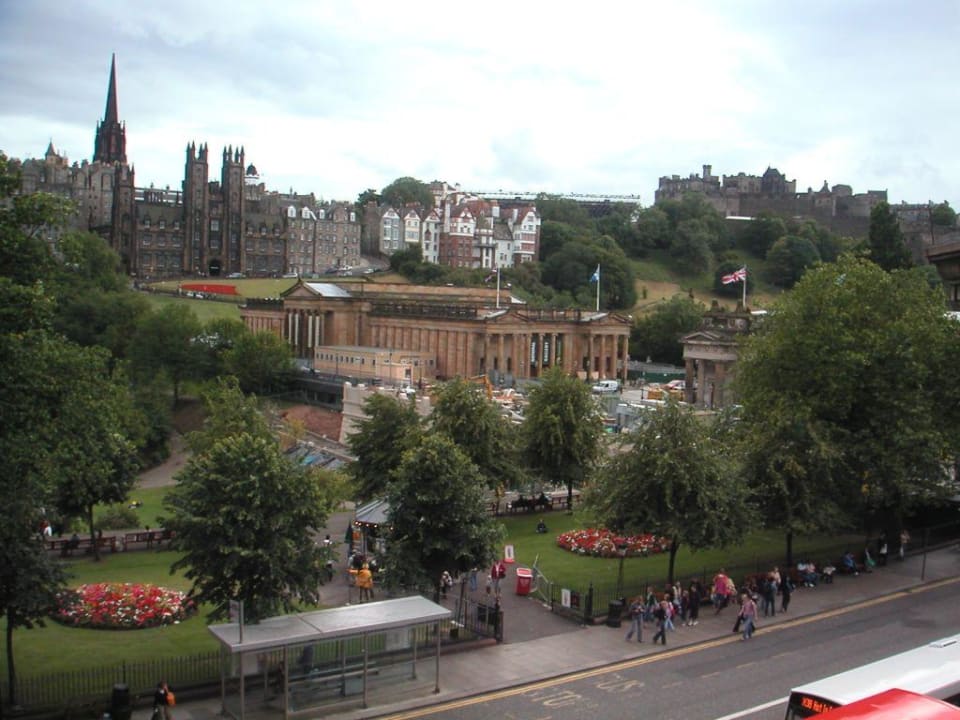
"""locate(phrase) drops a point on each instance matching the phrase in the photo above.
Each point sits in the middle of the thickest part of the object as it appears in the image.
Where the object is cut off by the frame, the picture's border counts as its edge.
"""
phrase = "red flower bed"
(601, 542)
(122, 606)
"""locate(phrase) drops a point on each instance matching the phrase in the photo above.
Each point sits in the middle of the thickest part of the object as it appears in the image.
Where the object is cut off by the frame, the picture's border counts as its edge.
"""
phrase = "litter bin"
(120, 707)
(524, 580)
(614, 613)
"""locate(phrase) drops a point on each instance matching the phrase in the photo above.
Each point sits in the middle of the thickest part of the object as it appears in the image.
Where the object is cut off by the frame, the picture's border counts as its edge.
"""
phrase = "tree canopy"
(405, 191)
(657, 334)
(561, 434)
(389, 427)
(851, 377)
(887, 246)
(244, 516)
(673, 479)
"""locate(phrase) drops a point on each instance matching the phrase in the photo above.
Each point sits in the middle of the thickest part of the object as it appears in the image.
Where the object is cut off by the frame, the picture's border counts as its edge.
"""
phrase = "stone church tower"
(110, 145)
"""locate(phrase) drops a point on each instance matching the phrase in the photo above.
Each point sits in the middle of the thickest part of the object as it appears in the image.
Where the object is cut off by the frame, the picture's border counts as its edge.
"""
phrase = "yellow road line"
(666, 655)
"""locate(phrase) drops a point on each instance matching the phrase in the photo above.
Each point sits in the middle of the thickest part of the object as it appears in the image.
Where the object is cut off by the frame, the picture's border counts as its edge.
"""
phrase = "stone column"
(689, 394)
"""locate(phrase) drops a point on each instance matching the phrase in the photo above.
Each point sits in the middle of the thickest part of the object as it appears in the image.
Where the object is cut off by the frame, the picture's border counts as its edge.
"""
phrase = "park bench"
(66, 546)
(147, 537)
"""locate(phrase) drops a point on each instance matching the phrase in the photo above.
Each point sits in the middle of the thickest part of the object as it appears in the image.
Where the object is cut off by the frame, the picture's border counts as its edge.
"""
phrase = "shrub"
(118, 517)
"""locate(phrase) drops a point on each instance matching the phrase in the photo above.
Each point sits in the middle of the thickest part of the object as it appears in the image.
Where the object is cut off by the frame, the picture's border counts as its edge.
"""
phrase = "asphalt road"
(727, 678)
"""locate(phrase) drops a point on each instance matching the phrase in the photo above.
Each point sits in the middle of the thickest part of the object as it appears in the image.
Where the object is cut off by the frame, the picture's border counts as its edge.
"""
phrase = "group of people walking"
(664, 610)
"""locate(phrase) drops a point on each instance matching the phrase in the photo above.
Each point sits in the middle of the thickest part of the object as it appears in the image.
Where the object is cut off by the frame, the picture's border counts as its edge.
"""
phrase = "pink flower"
(121, 606)
(604, 543)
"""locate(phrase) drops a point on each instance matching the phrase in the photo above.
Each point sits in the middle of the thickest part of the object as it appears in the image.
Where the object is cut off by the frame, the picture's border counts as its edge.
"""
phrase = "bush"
(118, 517)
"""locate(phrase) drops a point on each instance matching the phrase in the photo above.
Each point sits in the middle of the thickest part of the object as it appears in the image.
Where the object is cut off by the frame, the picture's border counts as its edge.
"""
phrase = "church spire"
(110, 145)
(111, 115)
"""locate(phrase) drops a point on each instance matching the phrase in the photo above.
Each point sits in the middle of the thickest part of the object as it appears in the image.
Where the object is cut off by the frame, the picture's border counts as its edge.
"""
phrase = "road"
(726, 678)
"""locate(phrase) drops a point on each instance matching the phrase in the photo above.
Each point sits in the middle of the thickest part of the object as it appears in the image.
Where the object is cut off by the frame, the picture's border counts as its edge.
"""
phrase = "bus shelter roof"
(349, 620)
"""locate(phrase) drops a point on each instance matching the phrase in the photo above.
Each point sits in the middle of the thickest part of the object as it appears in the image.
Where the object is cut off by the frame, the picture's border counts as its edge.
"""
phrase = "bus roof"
(926, 670)
(895, 705)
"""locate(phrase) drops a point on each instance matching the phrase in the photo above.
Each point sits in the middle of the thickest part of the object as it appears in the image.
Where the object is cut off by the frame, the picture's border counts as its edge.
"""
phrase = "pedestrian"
(660, 615)
(769, 596)
(163, 699)
(882, 549)
(365, 583)
(904, 539)
(748, 611)
(446, 583)
(498, 572)
(635, 614)
(473, 579)
(720, 595)
(786, 588)
(693, 616)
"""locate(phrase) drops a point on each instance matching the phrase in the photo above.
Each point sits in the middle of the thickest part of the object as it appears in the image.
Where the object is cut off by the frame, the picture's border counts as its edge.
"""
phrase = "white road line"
(754, 709)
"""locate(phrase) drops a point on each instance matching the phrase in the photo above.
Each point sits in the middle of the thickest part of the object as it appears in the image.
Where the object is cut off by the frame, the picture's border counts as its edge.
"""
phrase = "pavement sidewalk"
(574, 648)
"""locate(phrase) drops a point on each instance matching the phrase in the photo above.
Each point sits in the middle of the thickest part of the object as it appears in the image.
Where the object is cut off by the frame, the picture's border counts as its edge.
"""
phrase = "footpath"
(539, 644)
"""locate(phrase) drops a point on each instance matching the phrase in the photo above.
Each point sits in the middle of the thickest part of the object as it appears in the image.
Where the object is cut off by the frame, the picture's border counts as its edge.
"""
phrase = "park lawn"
(205, 310)
(758, 550)
(149, 513)
(57, 648)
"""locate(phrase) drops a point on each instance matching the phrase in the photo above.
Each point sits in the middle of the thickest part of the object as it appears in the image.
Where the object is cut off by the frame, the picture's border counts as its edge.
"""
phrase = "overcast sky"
(588, 97)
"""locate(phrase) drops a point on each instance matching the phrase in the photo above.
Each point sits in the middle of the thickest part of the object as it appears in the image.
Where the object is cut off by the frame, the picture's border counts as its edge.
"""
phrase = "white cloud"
(334, 98)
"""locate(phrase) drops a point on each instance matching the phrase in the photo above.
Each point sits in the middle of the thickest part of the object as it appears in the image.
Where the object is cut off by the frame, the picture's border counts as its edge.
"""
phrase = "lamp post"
(622, 549)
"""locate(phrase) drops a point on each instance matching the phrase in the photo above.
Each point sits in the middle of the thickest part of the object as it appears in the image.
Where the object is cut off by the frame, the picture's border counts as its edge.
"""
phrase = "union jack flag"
(736, 276)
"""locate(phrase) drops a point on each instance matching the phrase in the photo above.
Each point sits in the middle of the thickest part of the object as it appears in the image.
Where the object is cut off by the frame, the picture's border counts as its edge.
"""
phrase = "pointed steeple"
(110, 145)
(111, 114)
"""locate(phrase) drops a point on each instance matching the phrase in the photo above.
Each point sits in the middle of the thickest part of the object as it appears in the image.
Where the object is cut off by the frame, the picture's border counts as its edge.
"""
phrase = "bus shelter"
(292, 665)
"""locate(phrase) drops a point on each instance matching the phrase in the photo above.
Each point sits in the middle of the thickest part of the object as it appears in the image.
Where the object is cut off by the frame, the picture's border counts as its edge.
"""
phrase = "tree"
(653, 229)
(691, 246)
(562, 430)
(558, 209)
(476, 426)
(674, 480)
(762, 232)
(389, 427)
(862, 359)
(245, 517)
(167, 341)
(888, 249)
(407, 191)
(96, 457)
(943, 215)
(789, 258)
(262, 362)
(657, 334)
(437, 518)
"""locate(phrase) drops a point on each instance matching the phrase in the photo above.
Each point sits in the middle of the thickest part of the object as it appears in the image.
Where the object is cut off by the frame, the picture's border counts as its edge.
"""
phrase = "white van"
(606, 386)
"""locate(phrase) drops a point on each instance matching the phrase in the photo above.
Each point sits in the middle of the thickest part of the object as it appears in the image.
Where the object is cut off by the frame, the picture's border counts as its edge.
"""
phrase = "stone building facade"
(742, 195)
(463, 329)
(710, 355)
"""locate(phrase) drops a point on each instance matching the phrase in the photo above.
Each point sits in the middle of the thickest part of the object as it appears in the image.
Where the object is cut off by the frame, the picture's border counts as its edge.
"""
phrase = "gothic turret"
(110, 145)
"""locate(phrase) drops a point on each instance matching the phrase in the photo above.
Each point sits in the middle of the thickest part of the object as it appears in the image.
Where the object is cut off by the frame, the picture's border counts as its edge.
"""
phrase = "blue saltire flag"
(596, 275)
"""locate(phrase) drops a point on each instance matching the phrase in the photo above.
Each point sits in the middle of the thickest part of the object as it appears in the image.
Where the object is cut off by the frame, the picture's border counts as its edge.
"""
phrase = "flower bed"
(601, 542)
(122, 606)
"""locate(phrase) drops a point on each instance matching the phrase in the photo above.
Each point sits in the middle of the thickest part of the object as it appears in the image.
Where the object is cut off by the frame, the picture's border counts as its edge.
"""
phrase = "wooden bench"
(66, 546)
(148, 537)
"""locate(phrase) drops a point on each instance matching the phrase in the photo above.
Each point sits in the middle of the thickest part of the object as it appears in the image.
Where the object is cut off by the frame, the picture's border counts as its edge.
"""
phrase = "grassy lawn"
(149, 512)
(205, 310)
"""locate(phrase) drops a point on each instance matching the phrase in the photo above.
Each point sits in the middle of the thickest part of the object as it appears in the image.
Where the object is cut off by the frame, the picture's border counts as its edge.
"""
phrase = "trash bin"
(524, 580)
(120, 706)
(614, 613)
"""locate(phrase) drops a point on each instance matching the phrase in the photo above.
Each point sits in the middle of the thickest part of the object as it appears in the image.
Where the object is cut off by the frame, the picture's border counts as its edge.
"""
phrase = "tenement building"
(440, 332)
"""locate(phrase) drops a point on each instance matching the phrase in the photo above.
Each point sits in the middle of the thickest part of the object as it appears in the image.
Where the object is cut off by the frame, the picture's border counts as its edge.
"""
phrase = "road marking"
(754, 709)
(665, 655)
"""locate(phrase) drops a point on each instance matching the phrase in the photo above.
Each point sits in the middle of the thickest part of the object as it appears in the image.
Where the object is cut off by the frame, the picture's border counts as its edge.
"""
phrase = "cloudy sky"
(336, 97)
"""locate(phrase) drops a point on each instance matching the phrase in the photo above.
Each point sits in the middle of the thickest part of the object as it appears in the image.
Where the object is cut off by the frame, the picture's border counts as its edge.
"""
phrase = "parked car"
(235, 276)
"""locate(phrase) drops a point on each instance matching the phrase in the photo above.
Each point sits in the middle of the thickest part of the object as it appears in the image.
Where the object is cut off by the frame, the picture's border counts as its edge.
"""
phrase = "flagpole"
(498, 287)
(598, 288)
(744, 288)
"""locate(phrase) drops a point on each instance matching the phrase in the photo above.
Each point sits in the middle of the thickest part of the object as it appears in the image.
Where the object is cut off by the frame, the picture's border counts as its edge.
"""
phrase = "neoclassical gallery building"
(412, 333)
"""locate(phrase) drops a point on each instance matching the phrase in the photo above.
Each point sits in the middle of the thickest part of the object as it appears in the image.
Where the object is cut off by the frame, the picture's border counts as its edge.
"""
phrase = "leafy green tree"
(674, 480)
(262, 362)
(828, 245)
(617, 222)
(762, 232)
(888, 249)
(390, 426)
(438, 519)
(561, 434)
(167, 341)
(865, 360)
(654, 230)
(405, 191)
(571, 268)
(691, 246)
(245, 517)
(789, 258)
(219, 336)
(96, 456)
(482, 433)
(943, 215)
(558, 209)
(657, 334)
(555, 235)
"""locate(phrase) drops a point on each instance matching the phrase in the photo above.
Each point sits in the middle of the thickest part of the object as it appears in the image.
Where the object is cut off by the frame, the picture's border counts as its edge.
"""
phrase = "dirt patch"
(188, 416)
(316, 420)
